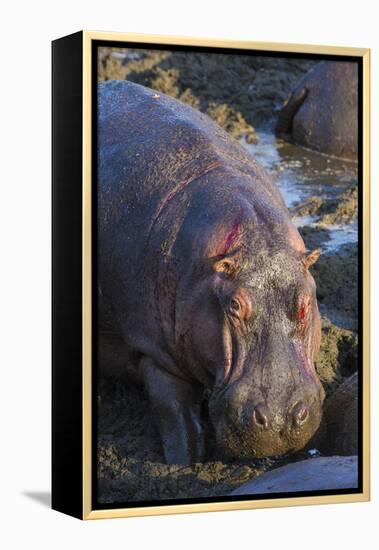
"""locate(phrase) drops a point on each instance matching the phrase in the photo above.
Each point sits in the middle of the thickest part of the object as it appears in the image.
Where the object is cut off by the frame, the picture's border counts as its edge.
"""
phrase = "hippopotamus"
(338, 433)
(205, 280)
(321, 113)
(314, 474)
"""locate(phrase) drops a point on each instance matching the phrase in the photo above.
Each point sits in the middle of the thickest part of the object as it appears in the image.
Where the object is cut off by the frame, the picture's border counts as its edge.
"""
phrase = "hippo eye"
(235, 306)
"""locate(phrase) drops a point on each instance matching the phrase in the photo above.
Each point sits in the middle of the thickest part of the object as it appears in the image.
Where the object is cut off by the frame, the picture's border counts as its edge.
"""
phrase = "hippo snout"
(264, 429)
(297, 415)
(263, 418)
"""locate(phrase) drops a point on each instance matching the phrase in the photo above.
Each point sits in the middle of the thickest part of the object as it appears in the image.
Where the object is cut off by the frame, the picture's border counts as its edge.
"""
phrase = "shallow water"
(300, 174)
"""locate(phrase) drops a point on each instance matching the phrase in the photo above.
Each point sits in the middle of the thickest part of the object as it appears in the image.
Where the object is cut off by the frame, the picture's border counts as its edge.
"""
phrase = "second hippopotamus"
(322, 111)
(339, 430)
(207, 281)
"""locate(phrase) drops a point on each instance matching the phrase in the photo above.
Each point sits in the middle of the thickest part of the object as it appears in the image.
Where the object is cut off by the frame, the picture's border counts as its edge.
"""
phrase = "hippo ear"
(311, 258)
(226, 265)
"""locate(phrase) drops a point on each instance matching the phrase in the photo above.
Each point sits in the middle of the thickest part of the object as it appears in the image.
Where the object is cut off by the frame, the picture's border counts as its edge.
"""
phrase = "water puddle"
(341, 235)
(300, 174)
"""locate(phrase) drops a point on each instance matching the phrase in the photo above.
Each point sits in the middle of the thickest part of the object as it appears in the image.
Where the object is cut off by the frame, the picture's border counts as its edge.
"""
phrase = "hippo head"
(256, 329)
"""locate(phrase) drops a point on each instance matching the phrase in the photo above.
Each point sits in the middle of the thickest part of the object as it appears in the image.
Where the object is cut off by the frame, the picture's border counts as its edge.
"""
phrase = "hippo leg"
(177, 408)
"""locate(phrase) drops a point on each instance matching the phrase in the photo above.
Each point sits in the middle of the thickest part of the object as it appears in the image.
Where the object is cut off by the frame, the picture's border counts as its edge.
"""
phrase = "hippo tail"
(287, 113)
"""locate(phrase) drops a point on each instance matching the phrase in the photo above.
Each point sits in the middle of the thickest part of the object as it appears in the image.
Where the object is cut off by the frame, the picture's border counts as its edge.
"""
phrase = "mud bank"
(342, 209)
(336, 276)
(338, 357)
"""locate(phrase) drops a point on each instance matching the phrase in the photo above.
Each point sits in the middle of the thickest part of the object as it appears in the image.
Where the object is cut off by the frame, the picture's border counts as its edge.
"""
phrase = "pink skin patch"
(233, 234)
(302, 313)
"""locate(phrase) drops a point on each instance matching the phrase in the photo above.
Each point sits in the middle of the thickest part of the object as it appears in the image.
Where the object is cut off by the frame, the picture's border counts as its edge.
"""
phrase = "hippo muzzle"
(254, 428)
(273, 405)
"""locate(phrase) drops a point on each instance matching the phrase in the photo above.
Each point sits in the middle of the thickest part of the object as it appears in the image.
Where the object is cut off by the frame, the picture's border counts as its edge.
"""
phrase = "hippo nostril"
(300, 413)
(260, 416)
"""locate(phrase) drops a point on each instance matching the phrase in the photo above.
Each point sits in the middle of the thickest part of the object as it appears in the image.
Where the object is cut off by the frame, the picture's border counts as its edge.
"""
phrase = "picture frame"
(75, 139)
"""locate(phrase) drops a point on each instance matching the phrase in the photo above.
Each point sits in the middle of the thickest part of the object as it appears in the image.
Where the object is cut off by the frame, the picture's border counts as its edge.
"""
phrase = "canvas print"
(226, 341)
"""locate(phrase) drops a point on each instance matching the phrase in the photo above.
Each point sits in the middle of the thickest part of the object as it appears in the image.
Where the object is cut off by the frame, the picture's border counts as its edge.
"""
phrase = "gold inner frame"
(88, 512)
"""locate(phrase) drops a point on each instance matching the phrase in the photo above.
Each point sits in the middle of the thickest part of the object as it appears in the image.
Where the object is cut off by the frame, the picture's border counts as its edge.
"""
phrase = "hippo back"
(152, 148)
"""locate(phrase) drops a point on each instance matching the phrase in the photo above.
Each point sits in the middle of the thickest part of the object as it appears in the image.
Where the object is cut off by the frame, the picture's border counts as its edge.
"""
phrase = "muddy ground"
(336, 272)
(242, 94)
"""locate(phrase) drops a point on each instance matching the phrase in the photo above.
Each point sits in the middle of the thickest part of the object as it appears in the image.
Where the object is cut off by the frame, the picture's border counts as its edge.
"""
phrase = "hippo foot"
(177, 408)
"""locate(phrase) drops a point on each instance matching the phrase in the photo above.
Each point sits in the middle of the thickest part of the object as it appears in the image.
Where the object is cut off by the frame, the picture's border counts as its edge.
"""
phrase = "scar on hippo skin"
(228, 260)
(182, 185)
(234, 233)
(303, 314)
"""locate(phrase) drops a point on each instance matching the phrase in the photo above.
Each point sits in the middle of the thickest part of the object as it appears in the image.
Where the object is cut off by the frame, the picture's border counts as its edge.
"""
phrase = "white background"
(27, 29)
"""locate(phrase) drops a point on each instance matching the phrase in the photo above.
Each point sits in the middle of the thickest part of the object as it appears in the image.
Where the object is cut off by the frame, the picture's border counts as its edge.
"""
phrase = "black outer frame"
(67, 413)
(67, 158)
